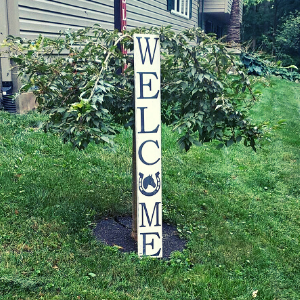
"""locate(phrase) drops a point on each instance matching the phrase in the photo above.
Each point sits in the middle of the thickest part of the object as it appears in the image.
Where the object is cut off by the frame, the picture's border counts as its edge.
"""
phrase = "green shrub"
(77, 80)
(262, 67)
(288, 39)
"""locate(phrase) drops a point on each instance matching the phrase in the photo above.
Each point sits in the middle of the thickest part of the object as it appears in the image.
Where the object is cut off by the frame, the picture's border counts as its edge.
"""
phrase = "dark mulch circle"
(116, 232)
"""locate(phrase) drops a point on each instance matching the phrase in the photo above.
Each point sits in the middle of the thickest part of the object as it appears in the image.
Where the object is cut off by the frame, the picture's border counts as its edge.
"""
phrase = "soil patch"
(116, 232)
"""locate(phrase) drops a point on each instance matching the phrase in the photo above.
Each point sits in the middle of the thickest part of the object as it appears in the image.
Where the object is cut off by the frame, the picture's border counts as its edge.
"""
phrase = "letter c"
(141, 155)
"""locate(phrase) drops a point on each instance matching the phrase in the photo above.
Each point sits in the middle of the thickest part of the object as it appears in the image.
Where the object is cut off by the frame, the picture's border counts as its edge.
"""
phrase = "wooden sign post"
(148, 144)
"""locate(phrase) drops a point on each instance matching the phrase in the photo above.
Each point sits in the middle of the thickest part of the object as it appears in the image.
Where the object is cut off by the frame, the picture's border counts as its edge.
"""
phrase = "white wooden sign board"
(148, 144)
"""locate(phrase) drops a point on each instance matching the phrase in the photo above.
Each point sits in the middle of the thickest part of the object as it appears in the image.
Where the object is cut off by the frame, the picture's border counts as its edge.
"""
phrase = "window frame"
(181, 8)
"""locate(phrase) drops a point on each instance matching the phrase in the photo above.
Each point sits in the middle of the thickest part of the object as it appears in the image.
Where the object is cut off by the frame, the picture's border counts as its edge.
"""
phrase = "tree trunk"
(234, 27)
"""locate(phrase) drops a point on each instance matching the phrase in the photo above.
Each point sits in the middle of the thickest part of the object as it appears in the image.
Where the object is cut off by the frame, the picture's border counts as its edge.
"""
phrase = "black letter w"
(143, 58)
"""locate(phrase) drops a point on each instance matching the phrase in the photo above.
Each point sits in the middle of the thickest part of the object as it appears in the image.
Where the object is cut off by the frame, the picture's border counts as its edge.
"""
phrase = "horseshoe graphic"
(143, 184)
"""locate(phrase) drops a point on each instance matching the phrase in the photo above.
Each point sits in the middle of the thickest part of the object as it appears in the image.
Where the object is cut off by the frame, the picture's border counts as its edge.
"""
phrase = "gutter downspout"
(13, 24)
(4, 32)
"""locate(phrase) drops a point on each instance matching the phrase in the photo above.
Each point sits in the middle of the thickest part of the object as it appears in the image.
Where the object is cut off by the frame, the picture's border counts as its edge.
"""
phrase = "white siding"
(146, 13)
(216, 6)
(220, 6)
(48, 17)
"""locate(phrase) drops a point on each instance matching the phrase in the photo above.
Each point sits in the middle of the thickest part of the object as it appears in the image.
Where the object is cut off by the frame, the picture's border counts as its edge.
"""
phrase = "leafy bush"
(272, 26)
(77, 80)
(253, 64)
(261, 67)
(288, 38)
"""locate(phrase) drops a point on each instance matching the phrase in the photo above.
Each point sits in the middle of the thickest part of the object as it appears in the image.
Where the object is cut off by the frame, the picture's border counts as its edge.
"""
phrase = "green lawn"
(239, 211)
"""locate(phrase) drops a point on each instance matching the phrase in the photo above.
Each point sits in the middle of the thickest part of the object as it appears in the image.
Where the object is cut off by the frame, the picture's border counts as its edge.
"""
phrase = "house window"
(182, 8)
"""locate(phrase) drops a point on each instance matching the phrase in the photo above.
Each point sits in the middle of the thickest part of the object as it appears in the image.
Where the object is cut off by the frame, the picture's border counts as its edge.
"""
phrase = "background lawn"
(239, 211)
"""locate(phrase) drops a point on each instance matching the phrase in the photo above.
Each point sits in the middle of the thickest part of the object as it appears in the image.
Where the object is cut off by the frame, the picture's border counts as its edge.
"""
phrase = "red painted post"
(123, 24)
(123, 15)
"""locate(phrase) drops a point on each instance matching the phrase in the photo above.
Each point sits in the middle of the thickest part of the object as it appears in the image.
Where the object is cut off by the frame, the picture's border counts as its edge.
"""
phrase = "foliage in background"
(77, 80)
(267, 26)
(288, 38)
(259, 66)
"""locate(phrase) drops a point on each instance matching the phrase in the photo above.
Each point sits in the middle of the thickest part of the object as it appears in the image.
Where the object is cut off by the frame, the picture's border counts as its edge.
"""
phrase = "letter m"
(143, 56)
(145, 213)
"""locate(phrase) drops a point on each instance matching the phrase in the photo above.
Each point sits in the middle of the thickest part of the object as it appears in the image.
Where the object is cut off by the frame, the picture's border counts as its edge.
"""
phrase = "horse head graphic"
(149, 181)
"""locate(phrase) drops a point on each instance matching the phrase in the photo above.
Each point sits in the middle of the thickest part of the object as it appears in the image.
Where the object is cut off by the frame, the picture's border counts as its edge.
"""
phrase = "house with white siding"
(29, 18)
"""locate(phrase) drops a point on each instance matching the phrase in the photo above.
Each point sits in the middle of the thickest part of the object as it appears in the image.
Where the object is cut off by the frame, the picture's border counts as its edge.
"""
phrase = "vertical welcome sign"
(148, 144)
